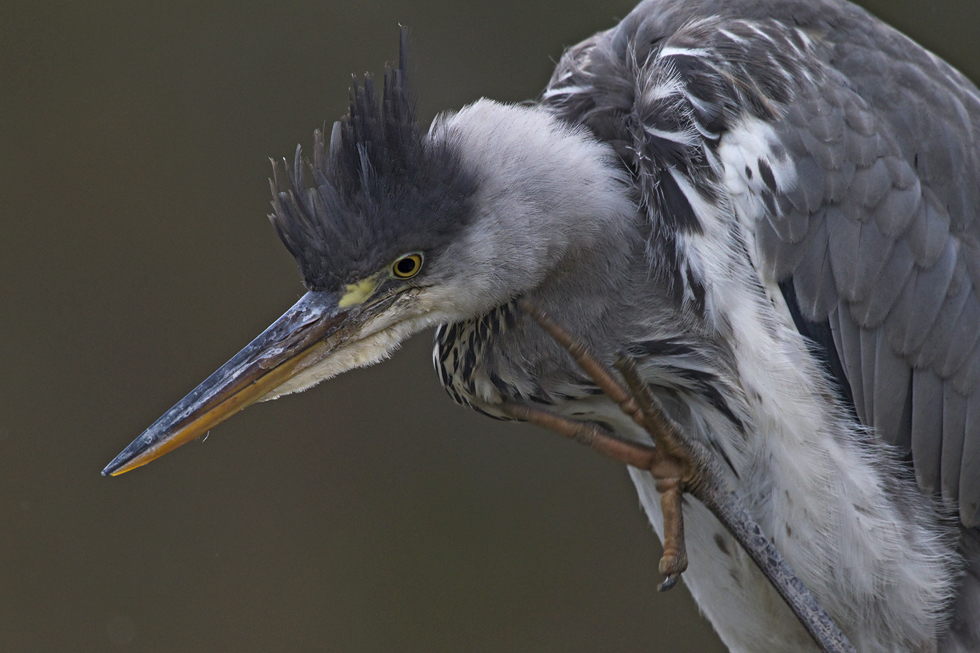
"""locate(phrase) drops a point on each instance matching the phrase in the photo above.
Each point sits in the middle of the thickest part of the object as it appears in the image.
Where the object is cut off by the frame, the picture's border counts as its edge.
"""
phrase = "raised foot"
(678, 465)
(672, 461)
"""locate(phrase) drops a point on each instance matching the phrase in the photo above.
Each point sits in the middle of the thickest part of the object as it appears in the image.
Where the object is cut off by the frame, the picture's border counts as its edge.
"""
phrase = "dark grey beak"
(312, 329)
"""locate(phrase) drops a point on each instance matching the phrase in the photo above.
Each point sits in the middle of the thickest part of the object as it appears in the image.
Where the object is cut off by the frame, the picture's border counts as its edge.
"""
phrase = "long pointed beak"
(308, 332)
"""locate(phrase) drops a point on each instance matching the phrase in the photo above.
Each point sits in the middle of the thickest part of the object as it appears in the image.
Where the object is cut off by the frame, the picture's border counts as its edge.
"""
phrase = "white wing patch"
(746, 153)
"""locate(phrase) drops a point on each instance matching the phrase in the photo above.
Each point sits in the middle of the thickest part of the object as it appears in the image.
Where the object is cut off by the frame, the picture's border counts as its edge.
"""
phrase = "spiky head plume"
(379, 190)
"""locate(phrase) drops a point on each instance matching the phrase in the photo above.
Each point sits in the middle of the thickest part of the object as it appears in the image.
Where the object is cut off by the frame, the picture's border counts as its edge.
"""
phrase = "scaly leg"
(641, 456)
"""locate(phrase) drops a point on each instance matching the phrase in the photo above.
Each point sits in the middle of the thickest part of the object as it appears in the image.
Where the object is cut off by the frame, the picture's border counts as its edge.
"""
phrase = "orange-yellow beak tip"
(298, 339)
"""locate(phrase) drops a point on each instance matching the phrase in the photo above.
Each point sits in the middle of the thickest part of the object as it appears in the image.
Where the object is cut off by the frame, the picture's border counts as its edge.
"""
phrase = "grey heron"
(771, 206)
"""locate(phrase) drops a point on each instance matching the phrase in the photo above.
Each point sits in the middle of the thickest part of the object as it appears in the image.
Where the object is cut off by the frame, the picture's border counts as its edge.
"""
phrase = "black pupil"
(405, 266)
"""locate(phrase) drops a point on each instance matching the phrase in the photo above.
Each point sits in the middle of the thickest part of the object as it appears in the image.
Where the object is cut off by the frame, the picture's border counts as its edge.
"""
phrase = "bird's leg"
(674, 560)
(669, 461)
(593, 435)
(678, 465)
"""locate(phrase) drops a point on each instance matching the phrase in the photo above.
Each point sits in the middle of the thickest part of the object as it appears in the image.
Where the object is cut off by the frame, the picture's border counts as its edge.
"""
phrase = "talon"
(668, 583)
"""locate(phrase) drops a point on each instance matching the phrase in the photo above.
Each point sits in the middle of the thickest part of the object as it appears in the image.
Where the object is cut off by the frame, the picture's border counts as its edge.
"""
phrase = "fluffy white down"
(815, 489)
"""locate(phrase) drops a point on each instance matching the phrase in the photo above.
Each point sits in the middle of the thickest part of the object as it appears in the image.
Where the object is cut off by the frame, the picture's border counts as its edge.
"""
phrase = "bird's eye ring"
(407, 266)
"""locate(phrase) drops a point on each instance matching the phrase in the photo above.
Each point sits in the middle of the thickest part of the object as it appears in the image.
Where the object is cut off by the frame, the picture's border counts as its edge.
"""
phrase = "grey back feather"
(879, 233)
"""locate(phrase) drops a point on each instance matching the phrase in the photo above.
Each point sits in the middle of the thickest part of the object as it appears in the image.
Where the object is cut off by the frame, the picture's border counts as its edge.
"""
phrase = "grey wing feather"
(928, 232)
(965, 334)
(954, 426)
(953, 325)
(816, 289)
(970, 466)
(927, 427)
(869, 351)
(892, 379)
(915, 314)
(849, 350)
(896, 224)
(872, 310)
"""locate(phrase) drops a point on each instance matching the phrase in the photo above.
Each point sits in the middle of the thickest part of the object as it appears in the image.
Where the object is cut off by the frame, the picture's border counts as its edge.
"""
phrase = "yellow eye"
(407, 266)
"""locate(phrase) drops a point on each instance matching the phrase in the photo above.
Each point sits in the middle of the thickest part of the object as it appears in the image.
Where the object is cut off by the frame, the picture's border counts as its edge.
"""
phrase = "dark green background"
(368, 514)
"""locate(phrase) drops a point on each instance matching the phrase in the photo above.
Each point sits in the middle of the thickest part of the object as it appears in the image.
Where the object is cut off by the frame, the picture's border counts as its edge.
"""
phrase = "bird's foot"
(678, 465)
(673, 462)
(674, 560)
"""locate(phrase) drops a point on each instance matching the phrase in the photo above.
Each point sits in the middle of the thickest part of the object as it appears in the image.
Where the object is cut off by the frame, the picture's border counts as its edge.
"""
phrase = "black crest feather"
(378, 190)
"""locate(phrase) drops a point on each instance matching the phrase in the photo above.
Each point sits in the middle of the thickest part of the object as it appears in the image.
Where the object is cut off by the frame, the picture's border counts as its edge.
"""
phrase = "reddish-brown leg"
(678, 465)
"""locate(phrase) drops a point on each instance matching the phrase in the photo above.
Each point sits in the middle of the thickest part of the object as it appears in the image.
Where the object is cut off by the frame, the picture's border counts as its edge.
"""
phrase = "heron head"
(395, 229)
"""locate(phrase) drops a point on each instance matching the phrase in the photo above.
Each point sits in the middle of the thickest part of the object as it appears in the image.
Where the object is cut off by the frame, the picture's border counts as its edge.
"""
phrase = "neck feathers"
(547, 192)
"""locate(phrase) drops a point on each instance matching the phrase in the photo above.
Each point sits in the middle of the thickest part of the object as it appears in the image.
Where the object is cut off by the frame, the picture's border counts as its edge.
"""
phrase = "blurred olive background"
(368, 514)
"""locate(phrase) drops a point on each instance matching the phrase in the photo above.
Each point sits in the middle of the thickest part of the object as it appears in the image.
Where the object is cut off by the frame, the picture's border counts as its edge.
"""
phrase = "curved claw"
(668, 583)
